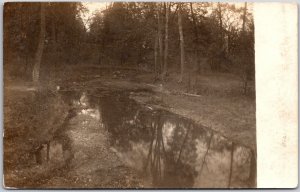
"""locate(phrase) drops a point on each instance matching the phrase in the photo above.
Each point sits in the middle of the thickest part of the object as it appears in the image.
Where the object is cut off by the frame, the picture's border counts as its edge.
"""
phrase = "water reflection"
(170, 151)
(165, 149)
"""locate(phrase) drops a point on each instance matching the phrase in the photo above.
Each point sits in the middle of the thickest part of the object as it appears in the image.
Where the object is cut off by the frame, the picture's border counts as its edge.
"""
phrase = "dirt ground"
(219, 105)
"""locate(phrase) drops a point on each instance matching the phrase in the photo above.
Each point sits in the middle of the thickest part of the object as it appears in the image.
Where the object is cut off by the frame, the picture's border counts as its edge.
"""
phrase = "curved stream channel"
(154, 147)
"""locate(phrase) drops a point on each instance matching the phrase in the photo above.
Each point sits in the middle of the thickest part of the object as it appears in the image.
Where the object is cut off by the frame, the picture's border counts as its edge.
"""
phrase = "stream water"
(166, 150)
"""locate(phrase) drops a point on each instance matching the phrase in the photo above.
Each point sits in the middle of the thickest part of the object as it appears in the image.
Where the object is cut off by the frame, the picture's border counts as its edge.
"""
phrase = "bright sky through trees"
(91, 9)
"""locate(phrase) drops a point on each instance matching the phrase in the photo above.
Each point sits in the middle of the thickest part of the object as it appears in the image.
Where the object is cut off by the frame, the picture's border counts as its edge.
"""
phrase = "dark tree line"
(184, 37)
(46, 34)
(176, 35)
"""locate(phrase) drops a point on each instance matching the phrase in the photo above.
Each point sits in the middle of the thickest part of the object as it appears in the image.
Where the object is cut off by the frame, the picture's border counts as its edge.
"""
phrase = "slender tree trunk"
(53, 31)
(181, 43)
(221, 40)
(53, 38)
(167, 5)
(155, 54)
(40, 48)
(160, 43)
(220, 23)
(244, 17)
(244, 51)
(27, 45)
(194, 24)
(195, 62)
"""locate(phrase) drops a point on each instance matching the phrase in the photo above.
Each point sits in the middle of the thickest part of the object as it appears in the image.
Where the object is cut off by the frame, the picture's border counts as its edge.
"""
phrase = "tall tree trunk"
(245, 75)
(160, 43)
(27, 45)
(194, 24)
(53, 38)
(53, 30)
(155, 54)
(221, 38)
(181, 43)
(220, 23)
(40, 48)
(167, 6)
(244, 17)
(193, 70)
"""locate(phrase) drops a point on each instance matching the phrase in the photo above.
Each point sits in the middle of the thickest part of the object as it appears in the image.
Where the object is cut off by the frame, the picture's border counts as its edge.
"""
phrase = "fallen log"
(192, 95)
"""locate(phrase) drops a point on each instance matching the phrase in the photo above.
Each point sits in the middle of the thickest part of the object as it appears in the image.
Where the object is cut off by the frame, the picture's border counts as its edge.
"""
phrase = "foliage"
(124, 33)
(65, 31)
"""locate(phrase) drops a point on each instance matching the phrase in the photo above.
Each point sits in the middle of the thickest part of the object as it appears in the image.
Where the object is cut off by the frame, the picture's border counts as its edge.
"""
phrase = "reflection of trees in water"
(119, 117)
(166, 166)
(128, 123)
(172, 157)
(157, 153)
(252, 176)
(206, 153)
(242, 167)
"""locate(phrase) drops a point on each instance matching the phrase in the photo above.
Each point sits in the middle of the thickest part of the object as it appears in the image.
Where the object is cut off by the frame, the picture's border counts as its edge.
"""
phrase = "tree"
(221, 39)
(194, 28)
(220, 23)
(167, 9)
(181, 42)
(155, 54)
(245, 75)
(160, 43)
(134, 34)
(193, 70)
(40, 48)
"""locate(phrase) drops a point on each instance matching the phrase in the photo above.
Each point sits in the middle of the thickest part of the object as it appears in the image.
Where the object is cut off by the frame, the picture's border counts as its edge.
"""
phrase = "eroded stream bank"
(106, 139)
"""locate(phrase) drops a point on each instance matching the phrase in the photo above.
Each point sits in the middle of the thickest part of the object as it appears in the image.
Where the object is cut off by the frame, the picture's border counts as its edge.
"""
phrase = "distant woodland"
(184, 38)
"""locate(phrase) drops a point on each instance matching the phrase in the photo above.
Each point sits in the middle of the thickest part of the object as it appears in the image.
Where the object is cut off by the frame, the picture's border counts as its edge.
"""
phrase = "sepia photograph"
(129, 95)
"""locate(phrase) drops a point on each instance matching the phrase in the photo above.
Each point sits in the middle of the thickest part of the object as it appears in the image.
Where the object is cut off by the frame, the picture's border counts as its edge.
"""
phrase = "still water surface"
(165, 149)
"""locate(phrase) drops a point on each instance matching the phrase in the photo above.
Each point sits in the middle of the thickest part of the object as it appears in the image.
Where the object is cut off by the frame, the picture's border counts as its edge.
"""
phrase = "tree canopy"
(125, 34)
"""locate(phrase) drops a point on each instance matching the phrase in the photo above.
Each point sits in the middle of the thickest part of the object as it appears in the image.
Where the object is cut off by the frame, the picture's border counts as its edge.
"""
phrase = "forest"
(130, 95)
(188, 39)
